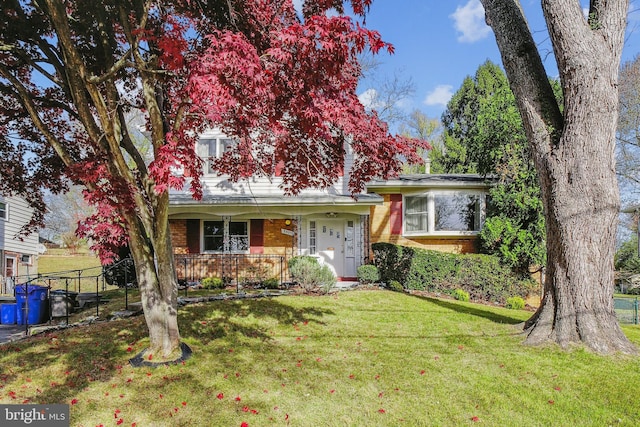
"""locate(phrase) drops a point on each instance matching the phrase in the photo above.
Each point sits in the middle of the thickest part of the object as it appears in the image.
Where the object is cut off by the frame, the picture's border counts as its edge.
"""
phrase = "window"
(3, 210)
(312, 237)
(214, 148)
(416, 214)
(213, 235)
(457, 212)
(443, 213)
(226, 236)
(238, 236)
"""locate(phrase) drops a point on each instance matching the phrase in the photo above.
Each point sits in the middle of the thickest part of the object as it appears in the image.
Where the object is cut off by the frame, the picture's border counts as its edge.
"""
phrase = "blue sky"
(439, 43)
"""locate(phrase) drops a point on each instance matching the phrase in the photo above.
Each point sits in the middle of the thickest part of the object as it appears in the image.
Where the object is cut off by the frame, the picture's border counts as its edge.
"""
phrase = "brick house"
(248, 230)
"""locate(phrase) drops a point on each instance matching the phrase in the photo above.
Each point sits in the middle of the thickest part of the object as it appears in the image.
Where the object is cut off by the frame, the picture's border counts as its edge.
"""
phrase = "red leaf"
(120, 421)
(475, 419)
(244, 424)
(74, 401)
(220, 396)
(382, 411)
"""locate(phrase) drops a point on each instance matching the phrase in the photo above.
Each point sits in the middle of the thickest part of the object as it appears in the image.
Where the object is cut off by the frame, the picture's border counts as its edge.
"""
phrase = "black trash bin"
(62, 302)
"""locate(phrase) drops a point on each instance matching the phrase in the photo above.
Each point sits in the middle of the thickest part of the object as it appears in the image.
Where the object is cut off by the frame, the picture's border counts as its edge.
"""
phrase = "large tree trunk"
(574, 156)
(153, 257)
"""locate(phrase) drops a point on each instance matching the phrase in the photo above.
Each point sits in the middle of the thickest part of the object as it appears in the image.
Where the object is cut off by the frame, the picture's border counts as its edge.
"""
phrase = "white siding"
(220, 185)
(18, 214)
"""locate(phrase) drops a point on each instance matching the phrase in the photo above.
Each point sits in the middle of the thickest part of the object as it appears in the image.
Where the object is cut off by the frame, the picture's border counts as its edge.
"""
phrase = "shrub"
(368, 274)
(460, 294)
(482, 276)
(394, 285)
(271, 283)
(393, 261)
(306, 271)
(212, 283)
(515, 303)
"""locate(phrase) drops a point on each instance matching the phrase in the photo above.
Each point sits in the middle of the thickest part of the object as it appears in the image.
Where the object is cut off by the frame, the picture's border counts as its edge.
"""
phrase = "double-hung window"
(225, 236)
(3, 211)
(213, 148)
(443, 213)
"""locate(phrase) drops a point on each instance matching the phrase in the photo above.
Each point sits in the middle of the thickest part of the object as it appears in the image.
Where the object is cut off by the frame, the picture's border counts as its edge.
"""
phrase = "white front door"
(330, 244)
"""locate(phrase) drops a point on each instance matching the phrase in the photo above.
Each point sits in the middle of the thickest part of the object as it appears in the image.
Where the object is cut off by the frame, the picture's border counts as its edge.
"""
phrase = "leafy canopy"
(281, 83)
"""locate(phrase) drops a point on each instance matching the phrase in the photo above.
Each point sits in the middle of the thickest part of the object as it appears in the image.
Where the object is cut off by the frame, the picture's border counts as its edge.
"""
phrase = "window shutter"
(193, 236)
(279, 168)
(256, 236)
(395, 214)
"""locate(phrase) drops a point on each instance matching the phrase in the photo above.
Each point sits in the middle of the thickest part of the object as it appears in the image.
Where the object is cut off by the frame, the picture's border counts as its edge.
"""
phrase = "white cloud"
(468, 20)
(439, 96)
(369, 98)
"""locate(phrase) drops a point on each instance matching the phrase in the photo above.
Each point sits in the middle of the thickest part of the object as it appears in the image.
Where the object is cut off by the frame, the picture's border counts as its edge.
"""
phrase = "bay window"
(444, 213)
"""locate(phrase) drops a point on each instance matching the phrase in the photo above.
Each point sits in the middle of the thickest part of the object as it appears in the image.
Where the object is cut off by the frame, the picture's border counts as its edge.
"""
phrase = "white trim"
(5, 211)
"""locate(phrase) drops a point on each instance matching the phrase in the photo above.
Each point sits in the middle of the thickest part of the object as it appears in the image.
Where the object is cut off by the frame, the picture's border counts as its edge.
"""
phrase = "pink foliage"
(281, 84)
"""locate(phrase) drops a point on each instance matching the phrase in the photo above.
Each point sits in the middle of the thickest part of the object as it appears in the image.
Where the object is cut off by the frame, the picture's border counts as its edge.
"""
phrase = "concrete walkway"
(10, 333)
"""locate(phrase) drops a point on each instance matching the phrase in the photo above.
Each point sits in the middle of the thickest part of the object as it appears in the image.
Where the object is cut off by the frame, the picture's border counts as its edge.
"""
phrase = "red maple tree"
(281, 82)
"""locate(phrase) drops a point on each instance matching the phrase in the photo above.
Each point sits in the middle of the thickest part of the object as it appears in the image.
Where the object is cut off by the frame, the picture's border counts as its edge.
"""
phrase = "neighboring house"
(249, 229)
(18, 253)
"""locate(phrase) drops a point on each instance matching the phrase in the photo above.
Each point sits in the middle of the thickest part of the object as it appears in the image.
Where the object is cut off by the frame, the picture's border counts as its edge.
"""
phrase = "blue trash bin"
(32, 303)
(8, 314)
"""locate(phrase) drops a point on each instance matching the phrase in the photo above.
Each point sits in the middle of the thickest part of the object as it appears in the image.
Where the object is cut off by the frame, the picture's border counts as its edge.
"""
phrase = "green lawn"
(57, 260)
(363, 358)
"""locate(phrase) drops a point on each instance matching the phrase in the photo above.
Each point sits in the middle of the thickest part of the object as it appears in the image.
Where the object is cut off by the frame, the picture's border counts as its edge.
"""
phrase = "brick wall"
(178, 229)
(276, 243)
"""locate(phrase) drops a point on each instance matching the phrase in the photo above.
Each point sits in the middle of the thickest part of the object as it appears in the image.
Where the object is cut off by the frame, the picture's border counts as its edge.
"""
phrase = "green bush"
(515, 303)
(212, 283)
(394, 285)
(460, 295)
(368, 274)
(482, 276)
(271, 283)
(310, 275)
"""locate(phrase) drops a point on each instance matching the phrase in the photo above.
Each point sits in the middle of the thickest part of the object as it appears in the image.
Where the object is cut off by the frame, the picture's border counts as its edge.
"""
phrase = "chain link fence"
(627, 310)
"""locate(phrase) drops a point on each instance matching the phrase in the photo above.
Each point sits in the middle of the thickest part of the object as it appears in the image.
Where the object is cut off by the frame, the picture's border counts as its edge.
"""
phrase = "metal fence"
(627, 310)
(246, 269)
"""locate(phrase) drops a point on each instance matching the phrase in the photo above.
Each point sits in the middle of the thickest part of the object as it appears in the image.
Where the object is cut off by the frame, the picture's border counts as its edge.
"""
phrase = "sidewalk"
(10, 333)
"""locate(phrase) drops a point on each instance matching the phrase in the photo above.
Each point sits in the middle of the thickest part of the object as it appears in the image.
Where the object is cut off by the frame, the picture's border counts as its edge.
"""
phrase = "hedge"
(482, 276)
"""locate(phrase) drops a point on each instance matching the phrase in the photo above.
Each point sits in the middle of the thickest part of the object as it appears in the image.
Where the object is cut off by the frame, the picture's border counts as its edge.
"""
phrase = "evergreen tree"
(483, 134)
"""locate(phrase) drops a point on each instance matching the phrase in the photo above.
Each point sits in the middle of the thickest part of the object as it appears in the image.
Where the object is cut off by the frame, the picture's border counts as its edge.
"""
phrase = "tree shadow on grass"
(474, 311)
(211, 320)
